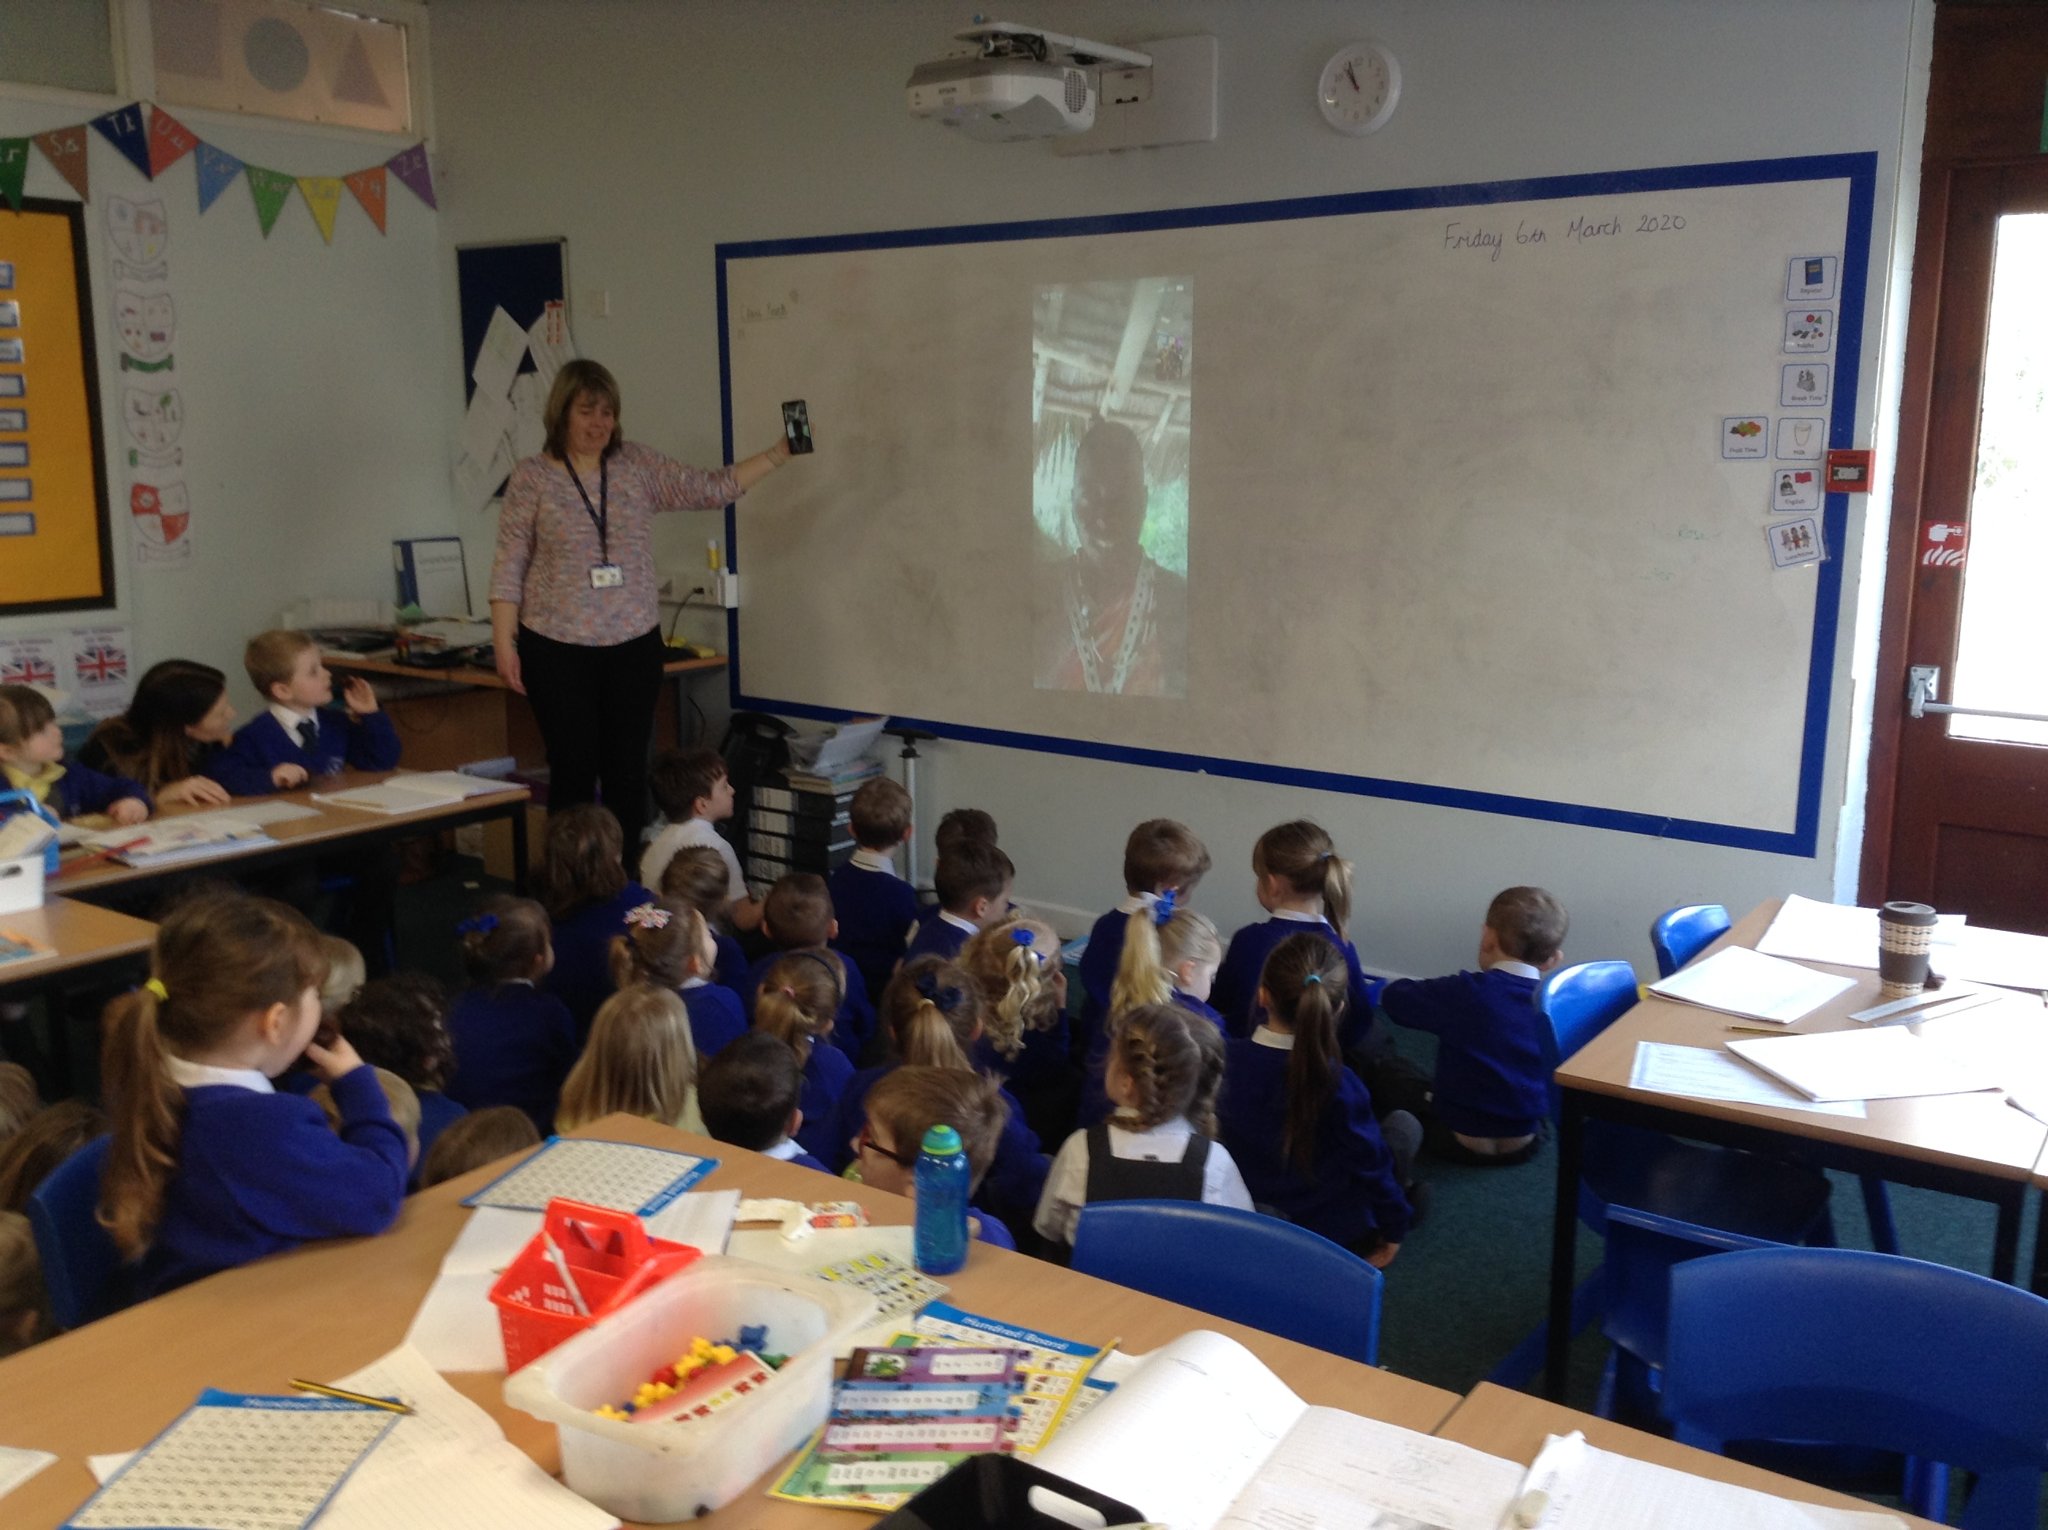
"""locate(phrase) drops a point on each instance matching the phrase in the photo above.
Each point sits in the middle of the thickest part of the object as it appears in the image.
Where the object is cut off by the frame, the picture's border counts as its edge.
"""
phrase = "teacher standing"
(575, 619)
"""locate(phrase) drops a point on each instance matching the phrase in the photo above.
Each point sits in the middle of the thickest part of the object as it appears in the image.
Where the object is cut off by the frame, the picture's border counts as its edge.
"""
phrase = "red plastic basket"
(611, 1259)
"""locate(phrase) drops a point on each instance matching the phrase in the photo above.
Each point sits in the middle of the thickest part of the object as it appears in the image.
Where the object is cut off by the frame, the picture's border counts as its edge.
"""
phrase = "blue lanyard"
(601, 514)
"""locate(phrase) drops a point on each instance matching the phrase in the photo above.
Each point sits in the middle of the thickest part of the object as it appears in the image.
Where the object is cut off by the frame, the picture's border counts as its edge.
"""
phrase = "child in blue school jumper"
(909, 1102)
(972, 880)
(1299, 1121)
(875, 907)
(1306, 886)
(210, 1167)
(932, 1016)
(1161, 857)
(583, 885)
(796, 1002)
(31, 760)
(668, 945)
(297, 736)
(514, 1041)
(1024, 1040)
(797, 915)
(749, 1096)
(1170, 956)
(1164, 1070)
(400, 1024)
(1491, 1092)
(695, 877)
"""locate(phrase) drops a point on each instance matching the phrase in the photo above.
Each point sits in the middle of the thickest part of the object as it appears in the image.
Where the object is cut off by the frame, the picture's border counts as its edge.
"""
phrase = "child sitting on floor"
(514, 1042)
(639, 1060)
(584, 888)
(973, 883)
(1162, 859)
(694, 792)
(695, 876)
(749, 1096)
(1304, 884)
(797, 1001)
(875, 907)
(797, 916)
(668, 944)
(910, 1102)
(481, 1137)
(399, 1023)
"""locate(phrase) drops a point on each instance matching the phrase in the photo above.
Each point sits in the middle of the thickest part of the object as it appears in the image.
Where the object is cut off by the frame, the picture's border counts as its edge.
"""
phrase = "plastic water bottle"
(941, 1235)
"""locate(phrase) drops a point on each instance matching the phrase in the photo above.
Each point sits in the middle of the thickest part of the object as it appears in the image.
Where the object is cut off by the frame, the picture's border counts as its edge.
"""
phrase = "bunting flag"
(269, 188)
(13, 169)
(122, 127)
(169, 141)
(64, 148)
(217, 169)
(323, 195)
(410, 166)
(368, 186)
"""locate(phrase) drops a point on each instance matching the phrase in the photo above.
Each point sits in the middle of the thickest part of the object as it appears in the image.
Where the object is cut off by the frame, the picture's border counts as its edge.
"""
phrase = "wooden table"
(303, 838)
(1965, 1144)
(83, 936)
(324, 1310)
(1514, 1425)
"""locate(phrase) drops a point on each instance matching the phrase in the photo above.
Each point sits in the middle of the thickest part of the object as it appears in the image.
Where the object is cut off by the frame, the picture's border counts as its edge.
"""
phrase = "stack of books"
(805, 824)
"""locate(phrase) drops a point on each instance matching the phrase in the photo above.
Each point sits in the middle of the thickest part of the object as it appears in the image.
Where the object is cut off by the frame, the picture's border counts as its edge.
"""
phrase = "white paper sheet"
(498, 358)
(2004, 957)
(486, 426)
(477, 478)
(1739, 981)
(18, 1465)
(1704, 1073)
(1841, 936)
(549, 339)
(1592, 1489)
(1888, 1062)
(529, 401)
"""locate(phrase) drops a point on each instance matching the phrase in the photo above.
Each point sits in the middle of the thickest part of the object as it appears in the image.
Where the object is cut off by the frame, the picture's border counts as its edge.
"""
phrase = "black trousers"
(595, 707)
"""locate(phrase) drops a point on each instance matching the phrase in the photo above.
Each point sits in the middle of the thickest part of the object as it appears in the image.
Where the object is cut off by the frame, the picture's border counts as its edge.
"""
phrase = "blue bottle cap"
(942, 1140)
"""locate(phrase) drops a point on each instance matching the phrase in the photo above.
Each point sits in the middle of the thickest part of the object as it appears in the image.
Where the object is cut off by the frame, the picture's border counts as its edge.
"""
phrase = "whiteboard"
(1446, 471)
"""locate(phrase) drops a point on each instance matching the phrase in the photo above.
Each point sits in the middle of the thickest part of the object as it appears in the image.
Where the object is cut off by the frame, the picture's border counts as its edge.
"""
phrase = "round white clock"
(1359, 87)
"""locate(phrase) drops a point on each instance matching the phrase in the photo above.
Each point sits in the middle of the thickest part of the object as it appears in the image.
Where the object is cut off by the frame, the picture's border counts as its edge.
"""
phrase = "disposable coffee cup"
(1905, 934)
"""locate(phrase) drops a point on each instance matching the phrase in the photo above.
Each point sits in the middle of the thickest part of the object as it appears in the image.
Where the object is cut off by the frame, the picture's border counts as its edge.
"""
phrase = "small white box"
(21, 883)
(669, 1471)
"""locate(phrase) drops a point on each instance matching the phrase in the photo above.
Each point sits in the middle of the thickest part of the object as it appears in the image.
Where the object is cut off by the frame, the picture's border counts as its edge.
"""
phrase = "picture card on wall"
(1746, 435)
(1810, 329)
(1796, 542)
(1795, 488)
(1811, 278)
(1801, 440)
(1804, 385)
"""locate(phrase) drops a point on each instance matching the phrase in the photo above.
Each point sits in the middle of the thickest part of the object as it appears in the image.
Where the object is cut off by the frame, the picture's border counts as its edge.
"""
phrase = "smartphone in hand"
(796, 426)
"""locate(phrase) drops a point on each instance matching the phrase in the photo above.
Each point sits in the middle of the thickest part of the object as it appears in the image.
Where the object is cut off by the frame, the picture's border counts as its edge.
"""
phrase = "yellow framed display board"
(55, 551)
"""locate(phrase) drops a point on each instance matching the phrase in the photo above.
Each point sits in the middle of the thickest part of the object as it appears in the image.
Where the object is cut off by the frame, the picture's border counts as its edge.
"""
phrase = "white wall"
(647, 132)
(318, 382)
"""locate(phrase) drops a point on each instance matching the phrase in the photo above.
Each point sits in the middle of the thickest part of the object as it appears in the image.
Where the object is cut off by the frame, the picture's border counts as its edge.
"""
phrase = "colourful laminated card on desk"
(16, 947)
(620, 1176)
(238, 1462)
(1060, 1380)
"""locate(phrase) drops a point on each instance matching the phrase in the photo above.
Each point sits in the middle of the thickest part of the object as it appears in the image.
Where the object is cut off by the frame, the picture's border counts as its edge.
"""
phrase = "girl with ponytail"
(210, 1168)
(1017, 965)
(1304, 884)
(797, 1002)
(1169, 956)
(1298, 1120)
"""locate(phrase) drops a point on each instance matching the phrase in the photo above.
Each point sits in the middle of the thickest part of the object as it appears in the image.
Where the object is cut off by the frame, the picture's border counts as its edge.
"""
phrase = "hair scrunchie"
(648, 916)
(156, 987)
(1163, 907)
(945, 1000)
(1313, 977)
(477, 924)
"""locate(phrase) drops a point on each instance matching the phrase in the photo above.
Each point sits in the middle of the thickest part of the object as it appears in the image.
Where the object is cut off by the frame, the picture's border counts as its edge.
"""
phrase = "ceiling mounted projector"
(1020, 83)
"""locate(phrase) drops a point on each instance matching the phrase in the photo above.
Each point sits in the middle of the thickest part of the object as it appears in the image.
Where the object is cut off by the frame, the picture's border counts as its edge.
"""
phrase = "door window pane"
(2002, 647)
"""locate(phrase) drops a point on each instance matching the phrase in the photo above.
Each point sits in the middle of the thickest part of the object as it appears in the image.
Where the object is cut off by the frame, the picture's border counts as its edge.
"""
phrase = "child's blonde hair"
(1304, 856)
(696, 875)
(24, 1302)
(400, 1096)
(1016, 964)
(659, 942)
(1155, 1046)
(580, 862)
(471, 1141)
(505, 941)
(19, 1098)
(1155, 949)
(1307, 988)
(217, 961)
(346, 974)
(909, 1101)
(271, 657)
(639, 1060)
(798, 999)
(931, 1012)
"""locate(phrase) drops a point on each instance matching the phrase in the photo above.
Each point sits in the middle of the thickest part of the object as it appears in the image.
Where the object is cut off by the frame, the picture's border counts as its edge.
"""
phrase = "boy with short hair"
(797, 916)
(694, 791)
(876, 908)
(298, 736)
(909, 1101)
(961, 825)
(748, 1096)
(1161, 856)
(1492, 1087)
(973, 882)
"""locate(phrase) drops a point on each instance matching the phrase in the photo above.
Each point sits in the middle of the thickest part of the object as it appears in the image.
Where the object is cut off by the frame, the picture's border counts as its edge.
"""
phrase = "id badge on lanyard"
(604, 574)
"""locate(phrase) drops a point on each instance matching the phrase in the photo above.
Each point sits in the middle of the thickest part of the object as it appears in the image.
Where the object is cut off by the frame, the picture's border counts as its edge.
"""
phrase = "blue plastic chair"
(81, 1267)
(1871, 1350)
(1677, 936)
(1223, 1261)
(1680, 934)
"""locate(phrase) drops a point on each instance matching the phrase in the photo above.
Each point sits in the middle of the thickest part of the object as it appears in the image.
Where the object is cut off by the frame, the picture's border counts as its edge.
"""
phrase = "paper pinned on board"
(498, 358)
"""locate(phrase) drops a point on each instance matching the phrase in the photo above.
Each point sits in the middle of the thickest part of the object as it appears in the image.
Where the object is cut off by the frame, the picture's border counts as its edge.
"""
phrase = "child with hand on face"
(31, 760)
(296, 737)
(209, 1167)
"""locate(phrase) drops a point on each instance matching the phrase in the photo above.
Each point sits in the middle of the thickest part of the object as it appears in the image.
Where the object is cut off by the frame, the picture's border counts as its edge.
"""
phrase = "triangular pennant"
(269, 188)
(64, 148)
(13, 169)
(123, 128)
(217, 170)
(357, 81)
(323, 195)
(169, 141)
(410, 166)
(368, 185)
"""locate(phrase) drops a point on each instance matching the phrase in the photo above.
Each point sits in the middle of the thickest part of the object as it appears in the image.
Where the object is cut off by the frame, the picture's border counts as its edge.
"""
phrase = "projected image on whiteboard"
(1112, 404)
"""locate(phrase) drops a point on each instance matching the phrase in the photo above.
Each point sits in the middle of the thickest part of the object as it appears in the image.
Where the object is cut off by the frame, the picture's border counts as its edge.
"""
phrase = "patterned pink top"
(547, 542)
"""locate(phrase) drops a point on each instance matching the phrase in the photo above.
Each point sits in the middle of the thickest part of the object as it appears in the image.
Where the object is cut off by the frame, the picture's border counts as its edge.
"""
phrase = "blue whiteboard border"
(1859, 170)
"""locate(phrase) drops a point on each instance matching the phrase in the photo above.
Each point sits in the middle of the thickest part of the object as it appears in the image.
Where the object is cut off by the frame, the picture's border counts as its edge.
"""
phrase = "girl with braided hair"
(1157, 1144)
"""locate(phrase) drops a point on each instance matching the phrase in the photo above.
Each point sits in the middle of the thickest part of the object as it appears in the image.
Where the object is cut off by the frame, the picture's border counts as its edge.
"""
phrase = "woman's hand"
(505, 644)
(506, 656)
(193, 791)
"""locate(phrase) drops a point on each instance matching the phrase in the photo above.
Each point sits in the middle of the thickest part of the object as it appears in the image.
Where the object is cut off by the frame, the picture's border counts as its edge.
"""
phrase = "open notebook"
(413, 792)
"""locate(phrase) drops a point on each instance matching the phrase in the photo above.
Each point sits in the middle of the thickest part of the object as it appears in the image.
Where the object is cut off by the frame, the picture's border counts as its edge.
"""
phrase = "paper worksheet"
(1708, 1073)
(2002, 957)
(1739, 981)
(1890, 1062)
(1811, 931)
(17, 1466)
(498, 357)
(1590, 1489)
